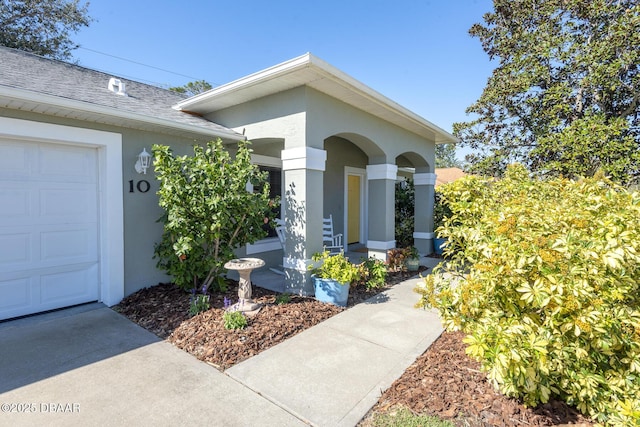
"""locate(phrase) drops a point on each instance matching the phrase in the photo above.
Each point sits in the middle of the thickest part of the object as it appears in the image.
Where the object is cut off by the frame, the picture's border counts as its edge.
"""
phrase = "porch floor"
(267, 279)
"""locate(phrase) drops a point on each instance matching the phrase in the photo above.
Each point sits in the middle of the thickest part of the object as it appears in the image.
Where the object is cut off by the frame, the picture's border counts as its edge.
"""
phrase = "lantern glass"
(143, 162)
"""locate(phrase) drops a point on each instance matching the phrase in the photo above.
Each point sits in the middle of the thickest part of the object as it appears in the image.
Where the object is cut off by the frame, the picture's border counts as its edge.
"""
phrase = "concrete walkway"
(101, 369)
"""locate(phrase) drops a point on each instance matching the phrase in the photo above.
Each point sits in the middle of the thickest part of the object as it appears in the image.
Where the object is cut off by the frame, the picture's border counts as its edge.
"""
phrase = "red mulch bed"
(442, 382)
(446, 383)
(163, 310)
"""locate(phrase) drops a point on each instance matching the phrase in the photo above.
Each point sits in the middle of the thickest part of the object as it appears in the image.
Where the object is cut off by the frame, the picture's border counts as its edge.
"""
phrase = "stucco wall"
(382, 141)
(306, 116)
(340, 153)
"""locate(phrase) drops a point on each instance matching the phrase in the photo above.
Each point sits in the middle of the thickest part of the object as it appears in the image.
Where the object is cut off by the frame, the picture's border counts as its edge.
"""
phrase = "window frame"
(270, 243)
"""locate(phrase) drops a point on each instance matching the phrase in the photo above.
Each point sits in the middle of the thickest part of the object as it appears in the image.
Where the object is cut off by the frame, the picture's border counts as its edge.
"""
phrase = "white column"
(423, 215)
(382, 187)
(303, 169)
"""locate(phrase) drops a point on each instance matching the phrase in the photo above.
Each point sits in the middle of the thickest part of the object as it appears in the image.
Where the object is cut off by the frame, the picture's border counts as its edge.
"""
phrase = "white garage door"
(49, 249)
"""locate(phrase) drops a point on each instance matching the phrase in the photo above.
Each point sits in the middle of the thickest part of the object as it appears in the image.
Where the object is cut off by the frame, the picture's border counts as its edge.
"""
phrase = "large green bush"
(544, 277)
(209, 211)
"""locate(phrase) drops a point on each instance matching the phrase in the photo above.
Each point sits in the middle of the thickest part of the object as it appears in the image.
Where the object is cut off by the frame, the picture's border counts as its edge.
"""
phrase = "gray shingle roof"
(23, 70)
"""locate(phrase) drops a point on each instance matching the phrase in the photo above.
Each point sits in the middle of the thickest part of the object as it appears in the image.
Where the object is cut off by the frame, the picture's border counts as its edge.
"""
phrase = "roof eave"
(65, 104)
(325, 70)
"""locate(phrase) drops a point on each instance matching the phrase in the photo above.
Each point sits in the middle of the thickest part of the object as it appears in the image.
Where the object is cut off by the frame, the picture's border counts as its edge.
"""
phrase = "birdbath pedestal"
(244, 267)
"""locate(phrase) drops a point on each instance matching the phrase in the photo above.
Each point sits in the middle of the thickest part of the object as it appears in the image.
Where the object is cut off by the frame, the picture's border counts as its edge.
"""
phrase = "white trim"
(312, 71)
(424, 179)
(381, 246)
(423, 235)
(111, 232)
(73, 105)
(364, 218)
(259, 159)
(382, 171)
(269, 243)
(304, 158)
(297, 264)
(264, 245)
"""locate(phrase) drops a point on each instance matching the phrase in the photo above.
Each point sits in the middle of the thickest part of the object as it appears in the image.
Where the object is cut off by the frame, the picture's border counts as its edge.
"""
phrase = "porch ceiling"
(308, 70)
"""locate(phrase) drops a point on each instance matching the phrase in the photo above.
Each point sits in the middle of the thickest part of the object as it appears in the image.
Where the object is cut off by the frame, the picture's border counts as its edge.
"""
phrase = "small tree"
(42, 27)
(564, 98)
(209, 211)
(446, 156)
(192, 88)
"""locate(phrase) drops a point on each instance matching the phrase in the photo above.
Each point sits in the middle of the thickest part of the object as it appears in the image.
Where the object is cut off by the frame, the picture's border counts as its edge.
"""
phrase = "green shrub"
(284, 298)
(234, 320)
(544, 277)
(208, 211)
(198, 304)
(336, 267)
(373, 273)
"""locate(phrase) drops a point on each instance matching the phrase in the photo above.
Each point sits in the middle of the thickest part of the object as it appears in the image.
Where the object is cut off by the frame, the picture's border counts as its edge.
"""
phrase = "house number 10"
(142, 186)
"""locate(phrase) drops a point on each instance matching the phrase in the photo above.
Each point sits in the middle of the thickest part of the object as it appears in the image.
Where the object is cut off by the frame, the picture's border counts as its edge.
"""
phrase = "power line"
(138, 63)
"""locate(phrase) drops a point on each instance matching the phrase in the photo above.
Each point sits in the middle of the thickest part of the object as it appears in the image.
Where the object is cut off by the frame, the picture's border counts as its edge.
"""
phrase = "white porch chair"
(281, 236)
(280, 230)
(332, 242)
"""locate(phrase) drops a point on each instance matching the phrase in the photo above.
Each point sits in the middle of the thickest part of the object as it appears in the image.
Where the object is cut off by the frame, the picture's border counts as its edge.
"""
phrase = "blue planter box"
(438, 245)
(331, 291)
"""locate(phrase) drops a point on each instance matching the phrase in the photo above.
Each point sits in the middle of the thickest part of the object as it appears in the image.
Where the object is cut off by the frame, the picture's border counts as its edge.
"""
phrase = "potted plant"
(412, 260)
(440, 212)
(332, 277)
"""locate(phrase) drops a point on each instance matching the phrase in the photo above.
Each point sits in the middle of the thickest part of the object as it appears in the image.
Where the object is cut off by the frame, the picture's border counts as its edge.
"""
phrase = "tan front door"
(353, 209)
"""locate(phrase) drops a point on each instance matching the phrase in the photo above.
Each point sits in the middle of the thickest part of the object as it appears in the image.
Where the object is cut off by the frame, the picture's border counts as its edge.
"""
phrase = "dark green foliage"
(564, 99)
(42, 27)
(405, 209)
(284, 298)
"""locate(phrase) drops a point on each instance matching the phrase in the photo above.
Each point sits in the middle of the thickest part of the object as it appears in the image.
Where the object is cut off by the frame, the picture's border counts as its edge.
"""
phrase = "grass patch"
(403, 417)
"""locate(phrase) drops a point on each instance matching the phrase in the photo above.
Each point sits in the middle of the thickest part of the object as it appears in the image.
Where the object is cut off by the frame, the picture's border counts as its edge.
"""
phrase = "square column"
(382, 194)
(423, 215)
(303, 169)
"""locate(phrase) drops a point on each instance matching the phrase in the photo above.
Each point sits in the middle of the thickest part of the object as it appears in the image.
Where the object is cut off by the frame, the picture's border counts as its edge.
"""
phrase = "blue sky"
(416, 52)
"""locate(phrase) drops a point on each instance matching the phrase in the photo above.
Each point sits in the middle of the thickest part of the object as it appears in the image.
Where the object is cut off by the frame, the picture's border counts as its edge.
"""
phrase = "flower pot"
(438, 245)
(412, 264)
(331, 291)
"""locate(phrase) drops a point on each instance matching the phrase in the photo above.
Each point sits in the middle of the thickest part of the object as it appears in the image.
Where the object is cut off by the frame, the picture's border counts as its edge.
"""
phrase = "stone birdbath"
(244, 267)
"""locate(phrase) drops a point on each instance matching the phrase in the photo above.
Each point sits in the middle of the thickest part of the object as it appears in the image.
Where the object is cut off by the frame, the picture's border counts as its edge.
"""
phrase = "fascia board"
(247, 81)
(320, 70)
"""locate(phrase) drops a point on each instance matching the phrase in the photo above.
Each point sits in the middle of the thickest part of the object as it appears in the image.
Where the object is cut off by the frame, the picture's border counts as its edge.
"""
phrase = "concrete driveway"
(90, 366)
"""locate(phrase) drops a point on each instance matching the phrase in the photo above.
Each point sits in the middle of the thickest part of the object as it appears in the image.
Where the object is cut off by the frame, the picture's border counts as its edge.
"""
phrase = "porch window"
(275, 191)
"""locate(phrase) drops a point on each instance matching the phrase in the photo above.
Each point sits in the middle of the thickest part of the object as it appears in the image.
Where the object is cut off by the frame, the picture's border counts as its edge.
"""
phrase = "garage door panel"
(78, 203)
(67, 164)
(52, 203)
(16, 294)
(15, 203)
(15, 248)
(70, 287)
(14, 160)
(69, 246)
